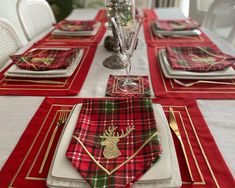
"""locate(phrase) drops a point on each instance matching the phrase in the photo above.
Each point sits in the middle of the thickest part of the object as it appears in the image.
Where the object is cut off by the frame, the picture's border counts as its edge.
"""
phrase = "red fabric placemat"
(153, 40)
(165, 88)
(95, 39)
(60, 86)
(206, 162)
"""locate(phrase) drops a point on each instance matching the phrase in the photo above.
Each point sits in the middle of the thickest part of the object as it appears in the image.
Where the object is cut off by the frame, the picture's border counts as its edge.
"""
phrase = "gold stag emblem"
(207, 60)
(46, 60)
(111, 139)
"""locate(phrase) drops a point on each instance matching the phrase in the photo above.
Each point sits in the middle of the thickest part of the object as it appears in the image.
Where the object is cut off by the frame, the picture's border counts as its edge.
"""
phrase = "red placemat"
(95, 39)
(154, 40)
(206, 162)
(49, 87)
(141, 90)
(164, 87)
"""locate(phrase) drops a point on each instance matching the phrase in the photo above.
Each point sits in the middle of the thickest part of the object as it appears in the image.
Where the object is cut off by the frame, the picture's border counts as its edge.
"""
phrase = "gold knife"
(175, 128)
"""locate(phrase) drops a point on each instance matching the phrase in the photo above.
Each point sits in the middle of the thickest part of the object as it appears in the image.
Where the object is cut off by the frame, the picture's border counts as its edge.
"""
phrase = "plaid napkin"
(115, 141)
(45, 59)
(176, 25)
(198, 59)
(67, 25)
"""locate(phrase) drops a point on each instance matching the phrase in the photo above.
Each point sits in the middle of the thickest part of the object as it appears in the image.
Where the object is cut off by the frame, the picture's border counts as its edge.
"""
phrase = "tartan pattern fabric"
(176, 25)
(45, 59)
(96, 116)
(198, 59)
(142, 89)
(67, 25)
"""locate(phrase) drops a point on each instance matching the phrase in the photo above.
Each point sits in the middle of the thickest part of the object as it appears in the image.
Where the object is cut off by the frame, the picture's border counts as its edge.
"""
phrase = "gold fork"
(190, 84)
(61, 121)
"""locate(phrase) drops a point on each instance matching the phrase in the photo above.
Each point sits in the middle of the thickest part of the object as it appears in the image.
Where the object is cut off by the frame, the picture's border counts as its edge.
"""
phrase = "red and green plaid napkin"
(45, 59)
(67, 25)
(115, 141)
(198, 59)
(176, 25)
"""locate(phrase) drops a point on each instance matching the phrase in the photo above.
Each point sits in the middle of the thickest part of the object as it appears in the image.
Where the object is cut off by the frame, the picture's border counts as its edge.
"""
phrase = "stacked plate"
(15, 71)
(165, 173)
(168, 72)
(157, 32)
(59, 32)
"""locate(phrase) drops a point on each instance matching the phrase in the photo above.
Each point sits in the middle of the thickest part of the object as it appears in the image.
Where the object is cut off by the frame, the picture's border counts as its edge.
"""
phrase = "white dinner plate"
(59, 32)
(165, 173)
(15, 71)
(168, 72)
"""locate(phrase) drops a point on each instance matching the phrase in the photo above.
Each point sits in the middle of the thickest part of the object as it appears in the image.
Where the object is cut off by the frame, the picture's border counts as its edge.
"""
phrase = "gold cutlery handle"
(48, 149)
(186, 159)
(34, 81)
(200, 82)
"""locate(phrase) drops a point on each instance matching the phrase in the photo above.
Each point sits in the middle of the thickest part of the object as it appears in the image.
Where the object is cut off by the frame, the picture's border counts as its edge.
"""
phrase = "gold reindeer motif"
(111, 139)
(207, 60)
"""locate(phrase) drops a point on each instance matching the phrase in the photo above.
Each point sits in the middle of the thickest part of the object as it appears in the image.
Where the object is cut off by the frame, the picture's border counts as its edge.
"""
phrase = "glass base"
(113, 62)
(127, 84)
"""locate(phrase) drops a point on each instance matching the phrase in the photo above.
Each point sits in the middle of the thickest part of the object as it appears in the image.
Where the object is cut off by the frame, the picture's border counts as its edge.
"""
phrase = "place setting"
(195, 69)
(180, 30)
(71, 164)
(74, 142)
(76, 31)
(53, 70)
(186, 28)
(200, 62)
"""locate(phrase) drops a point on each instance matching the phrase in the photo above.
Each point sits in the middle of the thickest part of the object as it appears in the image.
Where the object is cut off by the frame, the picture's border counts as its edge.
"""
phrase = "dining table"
(215, 108)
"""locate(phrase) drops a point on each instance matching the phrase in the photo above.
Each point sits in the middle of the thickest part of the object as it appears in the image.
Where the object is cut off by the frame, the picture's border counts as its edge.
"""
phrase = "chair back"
(101, 3)
(145, 3)
(9, 41)
(198, 9)
(35, 16)
(220, 19)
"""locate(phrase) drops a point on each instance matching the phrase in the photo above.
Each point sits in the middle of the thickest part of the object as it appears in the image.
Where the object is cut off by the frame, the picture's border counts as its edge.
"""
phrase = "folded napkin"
(45, 59)
(115, 141)
(176, 25)
(67, 25)
(198, 59)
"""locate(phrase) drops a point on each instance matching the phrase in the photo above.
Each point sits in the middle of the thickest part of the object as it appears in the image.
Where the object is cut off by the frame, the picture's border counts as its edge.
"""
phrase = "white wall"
(8, 11)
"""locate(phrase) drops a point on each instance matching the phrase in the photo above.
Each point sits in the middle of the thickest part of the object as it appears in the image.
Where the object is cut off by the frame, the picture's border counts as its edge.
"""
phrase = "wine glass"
(128, 30)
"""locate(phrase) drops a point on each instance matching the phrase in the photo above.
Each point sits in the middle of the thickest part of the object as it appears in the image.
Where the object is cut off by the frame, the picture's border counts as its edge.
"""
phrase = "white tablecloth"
(16, 112)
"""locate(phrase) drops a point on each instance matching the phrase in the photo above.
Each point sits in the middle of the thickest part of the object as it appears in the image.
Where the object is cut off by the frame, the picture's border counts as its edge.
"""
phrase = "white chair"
(35, 16)
(198, 9)
(145, 3)
(182, 4)
(220, 19)
(9, 41)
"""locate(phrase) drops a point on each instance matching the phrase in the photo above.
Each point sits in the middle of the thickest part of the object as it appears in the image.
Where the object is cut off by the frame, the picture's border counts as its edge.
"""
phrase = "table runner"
(59, 86)
(206, 162)
(153, 40)
(164, 87)
(101, 17)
